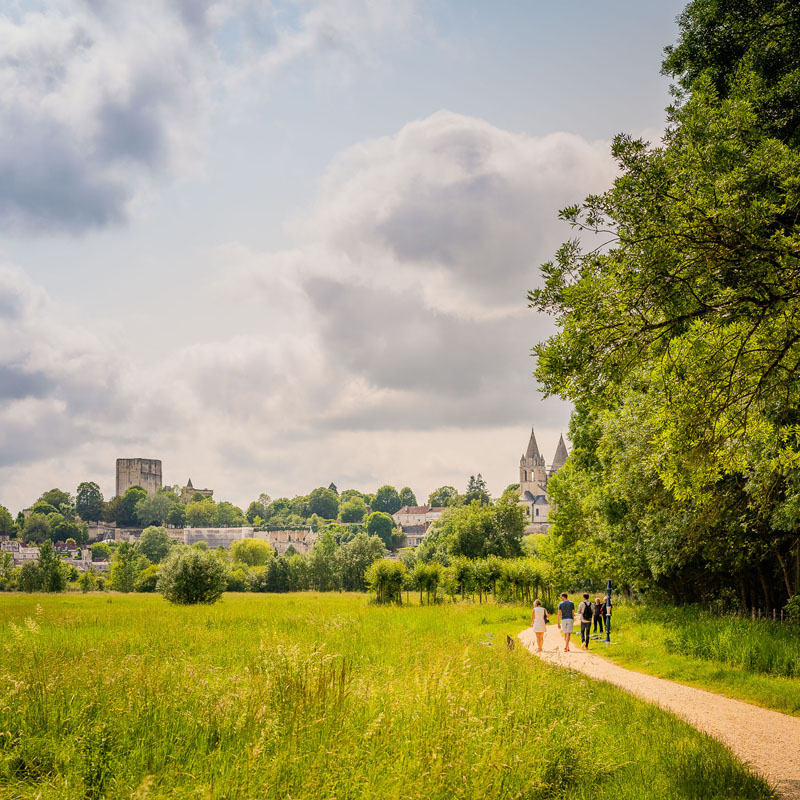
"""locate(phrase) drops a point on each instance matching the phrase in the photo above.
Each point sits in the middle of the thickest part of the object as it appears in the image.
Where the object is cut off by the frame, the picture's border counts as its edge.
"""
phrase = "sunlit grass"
(320, 696)
(757, 661)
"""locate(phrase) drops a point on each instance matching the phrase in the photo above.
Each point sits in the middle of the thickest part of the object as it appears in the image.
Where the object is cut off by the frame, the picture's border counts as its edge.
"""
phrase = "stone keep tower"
(144, 472)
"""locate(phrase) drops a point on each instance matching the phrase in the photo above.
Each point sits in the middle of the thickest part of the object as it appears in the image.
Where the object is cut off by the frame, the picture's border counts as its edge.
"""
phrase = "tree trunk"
(786, 579)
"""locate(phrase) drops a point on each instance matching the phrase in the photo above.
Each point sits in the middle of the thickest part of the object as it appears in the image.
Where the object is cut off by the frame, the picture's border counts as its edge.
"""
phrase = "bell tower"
(532, 469)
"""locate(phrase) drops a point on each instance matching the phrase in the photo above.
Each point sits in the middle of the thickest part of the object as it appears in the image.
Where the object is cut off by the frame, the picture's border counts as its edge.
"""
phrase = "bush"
(147, 580)
(237, 580)
(192, 576)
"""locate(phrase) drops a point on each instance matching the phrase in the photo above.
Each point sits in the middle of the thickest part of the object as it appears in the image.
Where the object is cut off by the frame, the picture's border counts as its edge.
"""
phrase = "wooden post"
(754, 615)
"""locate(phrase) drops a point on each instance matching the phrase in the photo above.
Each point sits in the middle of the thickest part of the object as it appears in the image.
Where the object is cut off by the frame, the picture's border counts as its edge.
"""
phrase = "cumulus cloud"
(97, 99)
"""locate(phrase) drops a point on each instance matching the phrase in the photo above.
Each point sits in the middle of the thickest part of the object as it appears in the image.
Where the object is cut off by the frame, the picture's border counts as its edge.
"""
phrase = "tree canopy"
(678, 313)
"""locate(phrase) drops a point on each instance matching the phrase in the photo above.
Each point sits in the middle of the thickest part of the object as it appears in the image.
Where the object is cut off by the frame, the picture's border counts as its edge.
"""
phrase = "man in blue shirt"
(566, 618)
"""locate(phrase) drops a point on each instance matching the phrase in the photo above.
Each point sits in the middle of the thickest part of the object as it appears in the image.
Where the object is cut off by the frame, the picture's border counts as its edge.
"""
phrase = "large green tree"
(89, 501)
(678, 307)
(387, 499)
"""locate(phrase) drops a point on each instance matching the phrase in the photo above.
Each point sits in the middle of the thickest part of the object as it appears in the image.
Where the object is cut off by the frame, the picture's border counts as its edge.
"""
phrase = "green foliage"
(324, 503)
(407, 497)
(43, 507)
(230, 516)
(476, 531)
(237, 579)
(352, 510)
(192, 577)
(354, 558)
(252, 552)
(444, 496)
(154, 544)
(147, 579)
(386, 500)
(122, 510)
(37, 528)
(427, 577)
(29, 578)
(89, 501)
(101, 551)
(56, 498)
(125, 568)
(201, 513)
(155, 508)
(87, 581)
(386, 577)
(7, 525)
(176, 516)
(50, 574)
(678, 335)
(476, 490)
(381, 525)
(321, 564)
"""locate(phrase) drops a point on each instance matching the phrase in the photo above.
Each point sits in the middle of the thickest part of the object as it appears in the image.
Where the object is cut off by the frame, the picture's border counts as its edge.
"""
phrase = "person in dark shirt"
(599, 613)
(585, 611)
(566, 618)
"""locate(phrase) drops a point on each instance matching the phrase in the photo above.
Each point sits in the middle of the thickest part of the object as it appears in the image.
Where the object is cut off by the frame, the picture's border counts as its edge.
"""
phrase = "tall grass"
(753, 645)
(320, 696)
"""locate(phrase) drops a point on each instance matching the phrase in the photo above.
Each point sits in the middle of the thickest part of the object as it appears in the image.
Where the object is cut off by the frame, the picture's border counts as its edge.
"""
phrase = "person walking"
(539, 623)
(585, 613)
(566, 618)
(598, 614)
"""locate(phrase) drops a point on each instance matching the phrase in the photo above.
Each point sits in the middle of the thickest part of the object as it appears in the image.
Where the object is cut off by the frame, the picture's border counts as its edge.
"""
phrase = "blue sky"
(283, 244)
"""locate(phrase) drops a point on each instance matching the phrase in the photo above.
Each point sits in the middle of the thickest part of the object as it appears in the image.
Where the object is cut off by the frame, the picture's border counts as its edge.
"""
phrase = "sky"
(282, 244)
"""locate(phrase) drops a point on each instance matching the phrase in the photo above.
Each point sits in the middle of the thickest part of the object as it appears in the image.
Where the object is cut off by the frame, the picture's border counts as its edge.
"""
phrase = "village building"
(533, 477)
(414, 522)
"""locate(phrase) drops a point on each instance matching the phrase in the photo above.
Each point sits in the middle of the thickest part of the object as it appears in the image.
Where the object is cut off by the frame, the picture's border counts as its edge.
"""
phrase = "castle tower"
(144, 472)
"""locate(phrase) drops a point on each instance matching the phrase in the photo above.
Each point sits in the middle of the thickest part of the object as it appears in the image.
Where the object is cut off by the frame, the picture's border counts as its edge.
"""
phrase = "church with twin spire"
(533, 477)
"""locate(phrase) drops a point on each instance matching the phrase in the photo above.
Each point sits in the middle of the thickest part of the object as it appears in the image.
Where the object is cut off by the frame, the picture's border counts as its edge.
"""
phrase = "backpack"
(586, 614)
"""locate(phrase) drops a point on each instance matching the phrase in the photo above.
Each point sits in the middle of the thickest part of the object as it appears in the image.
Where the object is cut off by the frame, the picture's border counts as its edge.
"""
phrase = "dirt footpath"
(768, 741)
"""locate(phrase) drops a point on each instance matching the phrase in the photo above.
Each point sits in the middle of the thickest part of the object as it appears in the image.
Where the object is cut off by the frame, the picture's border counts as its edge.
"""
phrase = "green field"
(320, 696)
(757, 661)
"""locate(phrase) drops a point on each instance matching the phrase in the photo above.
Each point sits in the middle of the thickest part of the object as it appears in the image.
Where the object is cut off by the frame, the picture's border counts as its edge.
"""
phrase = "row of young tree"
(678, 314)
(59, 516)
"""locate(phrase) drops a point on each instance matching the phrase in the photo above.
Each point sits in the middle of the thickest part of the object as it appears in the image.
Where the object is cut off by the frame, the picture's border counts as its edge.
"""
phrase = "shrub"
(147, 579)
(386, 577)
(192, 576)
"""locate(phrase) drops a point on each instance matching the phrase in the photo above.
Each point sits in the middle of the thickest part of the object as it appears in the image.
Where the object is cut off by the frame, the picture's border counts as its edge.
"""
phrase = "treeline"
(58, 516)
(678, 308)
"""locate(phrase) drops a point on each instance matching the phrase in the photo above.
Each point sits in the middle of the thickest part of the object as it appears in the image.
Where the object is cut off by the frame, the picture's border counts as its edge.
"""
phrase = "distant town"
(85, 529)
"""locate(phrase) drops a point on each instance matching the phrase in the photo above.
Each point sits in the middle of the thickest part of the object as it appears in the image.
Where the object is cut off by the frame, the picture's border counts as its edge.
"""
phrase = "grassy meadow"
(320, 696)
(757, 661)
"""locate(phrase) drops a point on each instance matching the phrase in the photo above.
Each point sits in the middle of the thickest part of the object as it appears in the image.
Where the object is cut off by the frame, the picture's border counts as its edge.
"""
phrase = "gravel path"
(768, 741)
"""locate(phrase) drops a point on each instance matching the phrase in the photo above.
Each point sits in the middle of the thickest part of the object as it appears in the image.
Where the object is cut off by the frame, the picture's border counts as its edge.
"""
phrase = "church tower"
(532, 470)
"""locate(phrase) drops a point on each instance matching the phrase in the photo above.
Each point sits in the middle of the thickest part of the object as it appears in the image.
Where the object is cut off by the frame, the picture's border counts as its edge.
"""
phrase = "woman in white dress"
(539, 623)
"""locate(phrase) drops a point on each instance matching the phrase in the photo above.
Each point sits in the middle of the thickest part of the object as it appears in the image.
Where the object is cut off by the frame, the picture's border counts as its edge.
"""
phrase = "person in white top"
(539, 623)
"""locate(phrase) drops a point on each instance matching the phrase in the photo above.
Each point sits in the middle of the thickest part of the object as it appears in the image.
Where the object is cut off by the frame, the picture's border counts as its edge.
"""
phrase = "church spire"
(560, 457)
(533, 448)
